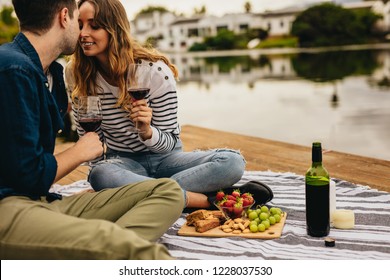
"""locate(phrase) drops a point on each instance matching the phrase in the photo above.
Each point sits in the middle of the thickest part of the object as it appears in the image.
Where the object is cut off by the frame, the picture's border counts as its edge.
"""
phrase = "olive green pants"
(119, 223)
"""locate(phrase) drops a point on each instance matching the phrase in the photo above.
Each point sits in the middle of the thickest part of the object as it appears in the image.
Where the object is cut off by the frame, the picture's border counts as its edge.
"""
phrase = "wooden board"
(275, 231)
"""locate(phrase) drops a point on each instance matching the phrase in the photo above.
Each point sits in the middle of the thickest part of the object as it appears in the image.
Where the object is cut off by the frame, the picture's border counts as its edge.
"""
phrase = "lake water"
(339, 98)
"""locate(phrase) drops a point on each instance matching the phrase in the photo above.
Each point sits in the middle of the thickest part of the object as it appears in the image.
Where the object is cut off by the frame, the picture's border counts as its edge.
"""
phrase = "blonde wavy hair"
(123, 50)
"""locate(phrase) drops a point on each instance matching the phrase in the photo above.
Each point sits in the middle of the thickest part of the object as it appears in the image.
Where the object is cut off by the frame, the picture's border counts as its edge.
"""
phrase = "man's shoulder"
(9, 55)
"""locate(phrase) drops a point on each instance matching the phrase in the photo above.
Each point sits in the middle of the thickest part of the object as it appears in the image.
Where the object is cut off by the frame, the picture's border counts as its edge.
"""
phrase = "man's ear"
(64, 17)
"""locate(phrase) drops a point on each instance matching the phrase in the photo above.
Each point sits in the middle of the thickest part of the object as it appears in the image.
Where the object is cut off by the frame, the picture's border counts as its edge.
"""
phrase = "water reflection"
(317, 67)
(339, 98)
(333, 66)
(335, 98)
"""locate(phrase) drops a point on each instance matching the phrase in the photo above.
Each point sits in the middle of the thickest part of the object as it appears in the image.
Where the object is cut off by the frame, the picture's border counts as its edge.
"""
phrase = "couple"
(135, 202)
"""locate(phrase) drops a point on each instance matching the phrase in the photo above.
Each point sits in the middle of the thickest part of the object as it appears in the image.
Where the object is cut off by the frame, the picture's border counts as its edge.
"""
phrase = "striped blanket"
(370, 239)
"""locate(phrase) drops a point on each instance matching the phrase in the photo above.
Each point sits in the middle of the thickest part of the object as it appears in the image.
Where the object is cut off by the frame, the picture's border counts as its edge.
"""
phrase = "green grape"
(264, 209)
(253, 228)
(278, 211)
(253, 223)
(263, 216)
(261, 227)
(252, 215)
(266, 224)
(273, 210)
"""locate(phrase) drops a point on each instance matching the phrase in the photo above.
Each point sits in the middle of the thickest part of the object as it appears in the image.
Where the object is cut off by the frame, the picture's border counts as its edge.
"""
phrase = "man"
(120, 223)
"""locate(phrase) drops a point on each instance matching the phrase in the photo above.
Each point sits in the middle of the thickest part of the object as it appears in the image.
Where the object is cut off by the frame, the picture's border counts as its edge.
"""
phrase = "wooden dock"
(262, 155)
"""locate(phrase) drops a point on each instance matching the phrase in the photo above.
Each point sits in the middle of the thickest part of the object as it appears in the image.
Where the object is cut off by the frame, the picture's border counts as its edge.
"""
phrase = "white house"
(383, 9)
(181, 34)
(237, 23)
(278, 22)
(153, 24)
(176, 34)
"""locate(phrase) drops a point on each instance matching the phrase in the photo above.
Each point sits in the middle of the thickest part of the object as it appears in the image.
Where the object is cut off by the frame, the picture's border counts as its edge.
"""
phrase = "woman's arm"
(163, 103)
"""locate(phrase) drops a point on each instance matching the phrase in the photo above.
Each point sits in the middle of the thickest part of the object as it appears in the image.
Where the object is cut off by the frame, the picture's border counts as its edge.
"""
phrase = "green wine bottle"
(317, 195)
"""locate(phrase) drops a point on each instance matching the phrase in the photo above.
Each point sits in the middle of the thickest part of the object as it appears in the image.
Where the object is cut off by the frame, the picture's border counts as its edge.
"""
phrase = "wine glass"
(90, 116)
(89, 112)
(138, 83)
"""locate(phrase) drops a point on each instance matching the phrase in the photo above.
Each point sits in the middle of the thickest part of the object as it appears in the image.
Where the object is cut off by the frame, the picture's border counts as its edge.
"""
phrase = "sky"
(214, 7)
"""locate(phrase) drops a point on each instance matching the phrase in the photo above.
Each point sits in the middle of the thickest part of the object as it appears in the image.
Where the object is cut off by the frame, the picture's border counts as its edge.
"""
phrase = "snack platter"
(273, 232)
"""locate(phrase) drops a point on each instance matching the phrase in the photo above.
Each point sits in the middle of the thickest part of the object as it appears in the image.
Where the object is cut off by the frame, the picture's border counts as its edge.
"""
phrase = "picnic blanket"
(370, 239)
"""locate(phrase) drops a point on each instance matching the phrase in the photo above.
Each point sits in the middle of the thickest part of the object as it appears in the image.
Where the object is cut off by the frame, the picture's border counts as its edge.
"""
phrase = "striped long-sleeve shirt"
(117, 129)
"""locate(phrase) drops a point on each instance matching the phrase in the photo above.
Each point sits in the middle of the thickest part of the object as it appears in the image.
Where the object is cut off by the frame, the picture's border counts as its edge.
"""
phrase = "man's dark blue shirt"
(30, 117)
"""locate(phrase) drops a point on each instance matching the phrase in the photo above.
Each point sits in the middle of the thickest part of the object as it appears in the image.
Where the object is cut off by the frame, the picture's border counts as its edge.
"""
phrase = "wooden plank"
(264, 154)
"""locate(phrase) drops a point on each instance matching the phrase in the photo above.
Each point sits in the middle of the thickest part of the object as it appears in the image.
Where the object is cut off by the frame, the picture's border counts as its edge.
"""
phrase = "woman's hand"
(141, 114)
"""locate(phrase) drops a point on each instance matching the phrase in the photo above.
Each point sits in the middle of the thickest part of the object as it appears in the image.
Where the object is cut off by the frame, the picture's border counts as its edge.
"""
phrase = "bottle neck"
(316, 155)
(316, 164)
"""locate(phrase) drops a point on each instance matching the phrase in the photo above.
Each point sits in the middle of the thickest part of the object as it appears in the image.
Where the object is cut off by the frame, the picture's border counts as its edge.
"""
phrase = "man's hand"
(87, 148)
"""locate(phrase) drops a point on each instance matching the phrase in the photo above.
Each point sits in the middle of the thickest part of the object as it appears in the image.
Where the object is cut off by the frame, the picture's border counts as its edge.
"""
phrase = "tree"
(248, 7)
(200, 11)
(225, 40)
(366, 20)
(6, 16)
(329, 24)
(151, 9)
(8, 25)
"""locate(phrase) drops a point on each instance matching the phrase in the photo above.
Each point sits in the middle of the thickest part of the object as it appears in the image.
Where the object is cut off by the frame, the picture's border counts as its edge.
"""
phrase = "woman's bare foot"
(196, 200)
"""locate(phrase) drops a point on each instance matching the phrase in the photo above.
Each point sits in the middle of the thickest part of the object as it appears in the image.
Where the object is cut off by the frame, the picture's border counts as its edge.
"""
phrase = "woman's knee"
(101, 176)
(233, 161)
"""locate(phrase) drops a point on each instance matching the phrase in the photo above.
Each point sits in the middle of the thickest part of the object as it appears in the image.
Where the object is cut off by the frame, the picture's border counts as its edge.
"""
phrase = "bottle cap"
(330, 242)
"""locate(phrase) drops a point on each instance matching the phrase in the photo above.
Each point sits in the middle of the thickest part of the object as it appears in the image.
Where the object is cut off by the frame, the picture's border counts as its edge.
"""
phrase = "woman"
(99, 67)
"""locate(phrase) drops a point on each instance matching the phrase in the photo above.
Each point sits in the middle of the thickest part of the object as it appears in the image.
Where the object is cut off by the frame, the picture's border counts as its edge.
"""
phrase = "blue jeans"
(197, 171)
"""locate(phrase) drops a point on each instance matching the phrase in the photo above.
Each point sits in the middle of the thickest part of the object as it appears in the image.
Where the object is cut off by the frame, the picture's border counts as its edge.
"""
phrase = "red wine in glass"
(89, 113)
(138, 83)
(90, 124)
(138, 93)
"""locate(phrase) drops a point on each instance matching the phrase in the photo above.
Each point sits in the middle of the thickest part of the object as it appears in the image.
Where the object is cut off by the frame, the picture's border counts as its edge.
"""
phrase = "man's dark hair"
(38, 15)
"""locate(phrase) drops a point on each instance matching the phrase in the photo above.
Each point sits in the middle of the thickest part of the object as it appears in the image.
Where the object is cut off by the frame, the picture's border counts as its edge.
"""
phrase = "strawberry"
(236, 193)
(229, 203)
(231, 197)
(237, 209)
(220, 203)
(220, 195)
(248, 197)
(246, 202)
(244, 195)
